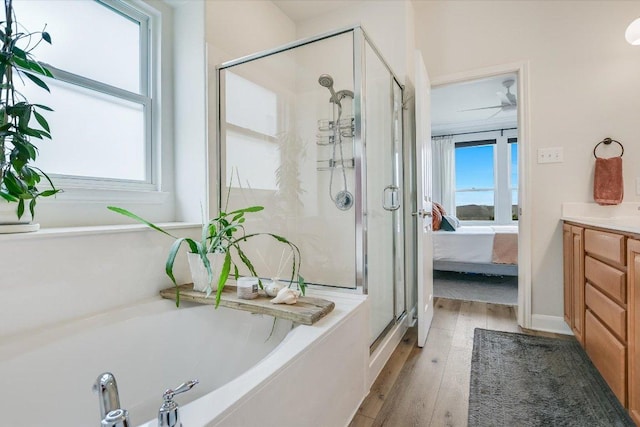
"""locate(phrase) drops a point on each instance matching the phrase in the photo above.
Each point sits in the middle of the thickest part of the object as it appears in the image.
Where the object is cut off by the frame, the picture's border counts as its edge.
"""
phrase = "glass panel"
(88, 39)
(278, 151)
(380, 159)
(475, 205)
(398, 214)
(513, 179)
(105, 138)
(475, 199)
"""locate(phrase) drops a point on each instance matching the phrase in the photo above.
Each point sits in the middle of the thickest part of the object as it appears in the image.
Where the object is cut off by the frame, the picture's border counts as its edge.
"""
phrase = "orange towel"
(608, 187)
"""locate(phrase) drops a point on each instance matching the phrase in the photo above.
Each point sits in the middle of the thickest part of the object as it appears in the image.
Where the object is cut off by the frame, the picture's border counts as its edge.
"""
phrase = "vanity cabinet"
(574, 279)
(602, 304)
(633, 313)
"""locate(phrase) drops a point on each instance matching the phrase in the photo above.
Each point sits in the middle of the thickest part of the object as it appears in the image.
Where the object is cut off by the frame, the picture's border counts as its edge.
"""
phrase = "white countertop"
(624, 217)
(624, 224)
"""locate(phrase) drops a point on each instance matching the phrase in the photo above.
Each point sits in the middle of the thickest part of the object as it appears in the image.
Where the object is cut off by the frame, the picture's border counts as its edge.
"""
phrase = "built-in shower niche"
(312, 132)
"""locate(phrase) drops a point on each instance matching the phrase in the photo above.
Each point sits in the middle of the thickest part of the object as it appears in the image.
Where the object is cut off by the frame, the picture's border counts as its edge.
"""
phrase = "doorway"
(478, 175)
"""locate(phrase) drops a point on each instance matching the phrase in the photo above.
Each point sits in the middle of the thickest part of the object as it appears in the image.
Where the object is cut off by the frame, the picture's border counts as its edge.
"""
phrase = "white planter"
(9, 222)
(199, 273)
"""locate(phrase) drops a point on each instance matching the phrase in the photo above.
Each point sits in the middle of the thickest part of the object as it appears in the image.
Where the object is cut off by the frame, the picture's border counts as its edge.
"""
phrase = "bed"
(491, 249)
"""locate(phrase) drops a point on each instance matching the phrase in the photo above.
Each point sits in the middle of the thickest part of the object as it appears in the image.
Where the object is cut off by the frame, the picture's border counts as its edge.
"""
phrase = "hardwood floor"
(429, 386)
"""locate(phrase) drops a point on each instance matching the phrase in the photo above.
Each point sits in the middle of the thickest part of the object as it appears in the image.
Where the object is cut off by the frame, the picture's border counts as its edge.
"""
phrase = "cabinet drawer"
(609, 280)
(608, 246)
(611, 314)
(608, 355)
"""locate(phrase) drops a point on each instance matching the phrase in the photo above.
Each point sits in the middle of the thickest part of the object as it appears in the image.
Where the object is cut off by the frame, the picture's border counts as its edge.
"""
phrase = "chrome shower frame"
(359, 106)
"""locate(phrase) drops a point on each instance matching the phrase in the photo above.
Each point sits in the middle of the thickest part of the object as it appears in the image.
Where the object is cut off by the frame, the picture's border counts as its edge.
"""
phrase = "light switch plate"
(550, 155)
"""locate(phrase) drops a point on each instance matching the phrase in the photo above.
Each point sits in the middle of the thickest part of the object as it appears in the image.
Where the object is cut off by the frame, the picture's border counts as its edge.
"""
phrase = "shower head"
(327, 81)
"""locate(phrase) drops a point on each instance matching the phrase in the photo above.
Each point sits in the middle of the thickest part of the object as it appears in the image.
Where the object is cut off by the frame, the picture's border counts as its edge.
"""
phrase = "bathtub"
(252, 371)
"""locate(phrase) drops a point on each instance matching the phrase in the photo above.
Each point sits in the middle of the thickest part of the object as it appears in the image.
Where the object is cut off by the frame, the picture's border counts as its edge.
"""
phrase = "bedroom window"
(513, 176)
(486, 173)
(475, 181)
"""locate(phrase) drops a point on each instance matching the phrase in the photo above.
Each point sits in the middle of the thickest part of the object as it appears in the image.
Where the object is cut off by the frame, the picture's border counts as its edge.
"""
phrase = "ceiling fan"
(508, 100)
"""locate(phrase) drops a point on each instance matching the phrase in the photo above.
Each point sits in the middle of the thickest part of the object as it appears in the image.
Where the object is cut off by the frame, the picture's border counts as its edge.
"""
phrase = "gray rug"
(476, 287)
(526, 381)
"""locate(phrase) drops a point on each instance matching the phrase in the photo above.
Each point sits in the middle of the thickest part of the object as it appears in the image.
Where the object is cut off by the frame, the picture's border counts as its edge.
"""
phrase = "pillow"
(449, 223)
(437, 212)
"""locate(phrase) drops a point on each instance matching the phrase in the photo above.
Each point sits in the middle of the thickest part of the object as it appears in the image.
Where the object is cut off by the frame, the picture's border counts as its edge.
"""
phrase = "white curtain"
(444, 172)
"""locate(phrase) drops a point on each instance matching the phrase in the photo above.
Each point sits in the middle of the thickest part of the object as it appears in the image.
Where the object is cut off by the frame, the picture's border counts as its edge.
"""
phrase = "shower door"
(383, 213)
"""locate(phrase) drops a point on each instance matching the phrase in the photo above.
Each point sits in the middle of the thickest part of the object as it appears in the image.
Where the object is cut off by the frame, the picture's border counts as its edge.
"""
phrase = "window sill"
(57, 232)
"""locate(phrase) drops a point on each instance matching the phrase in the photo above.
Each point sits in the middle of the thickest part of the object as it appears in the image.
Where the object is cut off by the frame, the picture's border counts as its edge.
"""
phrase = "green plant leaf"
(224, 275)
(18, 52)
(131, 215)
(41, 121)
(43, 107)
(46, 37)
(20, 208)
(249, 209)
(8, 197)
(37, 81)
(32, 207)
(49, 193)
(171, 258)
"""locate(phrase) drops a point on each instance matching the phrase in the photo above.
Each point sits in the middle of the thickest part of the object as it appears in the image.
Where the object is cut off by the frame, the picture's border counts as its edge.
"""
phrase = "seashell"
(273, 286)
(286, 296)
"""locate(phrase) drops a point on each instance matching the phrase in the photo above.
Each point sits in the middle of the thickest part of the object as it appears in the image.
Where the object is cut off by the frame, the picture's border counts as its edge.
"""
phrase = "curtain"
(444, 172)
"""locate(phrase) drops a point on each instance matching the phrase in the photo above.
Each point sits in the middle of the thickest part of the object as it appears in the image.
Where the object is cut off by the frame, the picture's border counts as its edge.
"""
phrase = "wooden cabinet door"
(567, 263)
(633, 327)
(577, 279)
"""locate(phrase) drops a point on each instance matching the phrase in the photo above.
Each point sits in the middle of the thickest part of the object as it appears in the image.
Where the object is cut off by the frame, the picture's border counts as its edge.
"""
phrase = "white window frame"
(501, 174)
(145, 98)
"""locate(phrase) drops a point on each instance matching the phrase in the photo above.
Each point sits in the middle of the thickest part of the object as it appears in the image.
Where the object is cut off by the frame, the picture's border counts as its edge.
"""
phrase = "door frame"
(524, 172)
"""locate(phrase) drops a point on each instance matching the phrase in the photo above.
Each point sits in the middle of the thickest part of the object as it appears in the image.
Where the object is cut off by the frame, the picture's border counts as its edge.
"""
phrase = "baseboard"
(555, 324)
(381, 355)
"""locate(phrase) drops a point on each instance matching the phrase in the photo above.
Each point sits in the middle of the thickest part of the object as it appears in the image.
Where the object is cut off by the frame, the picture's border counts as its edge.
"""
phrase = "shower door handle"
(391, 198)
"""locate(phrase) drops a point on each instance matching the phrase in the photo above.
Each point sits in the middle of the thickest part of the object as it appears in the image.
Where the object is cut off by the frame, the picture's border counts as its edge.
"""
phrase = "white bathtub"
(248, 375)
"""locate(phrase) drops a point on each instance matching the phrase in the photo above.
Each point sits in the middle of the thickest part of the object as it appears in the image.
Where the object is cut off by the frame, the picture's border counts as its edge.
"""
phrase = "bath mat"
(526, 381)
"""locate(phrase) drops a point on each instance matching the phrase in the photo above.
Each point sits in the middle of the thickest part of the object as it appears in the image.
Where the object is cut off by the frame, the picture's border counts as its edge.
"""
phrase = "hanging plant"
(21, 122)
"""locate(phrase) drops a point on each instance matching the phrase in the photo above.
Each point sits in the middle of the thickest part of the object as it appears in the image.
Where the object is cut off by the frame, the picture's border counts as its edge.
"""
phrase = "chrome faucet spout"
(107, 390)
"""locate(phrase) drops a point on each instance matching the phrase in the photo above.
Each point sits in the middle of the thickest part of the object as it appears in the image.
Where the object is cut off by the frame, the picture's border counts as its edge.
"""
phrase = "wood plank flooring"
(429, 386)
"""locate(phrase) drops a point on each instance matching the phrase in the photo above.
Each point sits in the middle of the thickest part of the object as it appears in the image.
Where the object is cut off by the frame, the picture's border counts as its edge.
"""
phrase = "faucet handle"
(169, 393)
(168, 414)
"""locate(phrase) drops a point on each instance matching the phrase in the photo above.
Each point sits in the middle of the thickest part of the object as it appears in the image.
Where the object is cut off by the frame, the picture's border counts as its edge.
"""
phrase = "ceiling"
(300, 10)
(449, 101)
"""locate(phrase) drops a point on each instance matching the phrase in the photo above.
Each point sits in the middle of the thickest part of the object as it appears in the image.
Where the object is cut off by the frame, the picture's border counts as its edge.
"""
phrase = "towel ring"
(607, 141)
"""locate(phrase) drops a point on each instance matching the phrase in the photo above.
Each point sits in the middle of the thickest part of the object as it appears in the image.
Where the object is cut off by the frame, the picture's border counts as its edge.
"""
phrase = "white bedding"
(468, 243)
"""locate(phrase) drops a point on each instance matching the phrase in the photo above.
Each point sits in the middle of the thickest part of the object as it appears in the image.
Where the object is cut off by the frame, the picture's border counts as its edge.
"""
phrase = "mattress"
(468, 243)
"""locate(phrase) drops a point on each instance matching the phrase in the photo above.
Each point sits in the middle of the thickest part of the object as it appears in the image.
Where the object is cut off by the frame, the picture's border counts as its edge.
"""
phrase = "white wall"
(385, 22)
(584, 86)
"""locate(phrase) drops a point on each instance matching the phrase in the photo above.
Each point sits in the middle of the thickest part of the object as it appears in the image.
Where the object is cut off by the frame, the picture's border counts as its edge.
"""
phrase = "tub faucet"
(111, 415)
(168, 415)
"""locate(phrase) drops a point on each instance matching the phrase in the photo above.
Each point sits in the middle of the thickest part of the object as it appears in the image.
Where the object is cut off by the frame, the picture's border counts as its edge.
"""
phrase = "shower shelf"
(333, 164)
(307, 311)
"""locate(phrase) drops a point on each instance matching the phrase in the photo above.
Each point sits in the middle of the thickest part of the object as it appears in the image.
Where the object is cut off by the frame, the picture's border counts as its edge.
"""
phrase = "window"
(475, 182)
(101, 96)
(513, 176)
(486, 173)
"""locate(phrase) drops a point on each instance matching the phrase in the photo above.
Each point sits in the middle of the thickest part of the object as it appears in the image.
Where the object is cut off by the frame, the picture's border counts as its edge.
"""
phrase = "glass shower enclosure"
(312, 131)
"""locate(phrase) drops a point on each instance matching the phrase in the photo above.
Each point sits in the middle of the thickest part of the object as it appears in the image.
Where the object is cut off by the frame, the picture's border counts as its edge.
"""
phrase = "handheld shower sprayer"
(326, 80)
(343, 199)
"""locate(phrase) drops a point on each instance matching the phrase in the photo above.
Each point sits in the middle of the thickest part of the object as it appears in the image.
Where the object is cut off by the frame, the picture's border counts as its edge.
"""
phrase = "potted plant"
(18, 177)
(221, 237)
